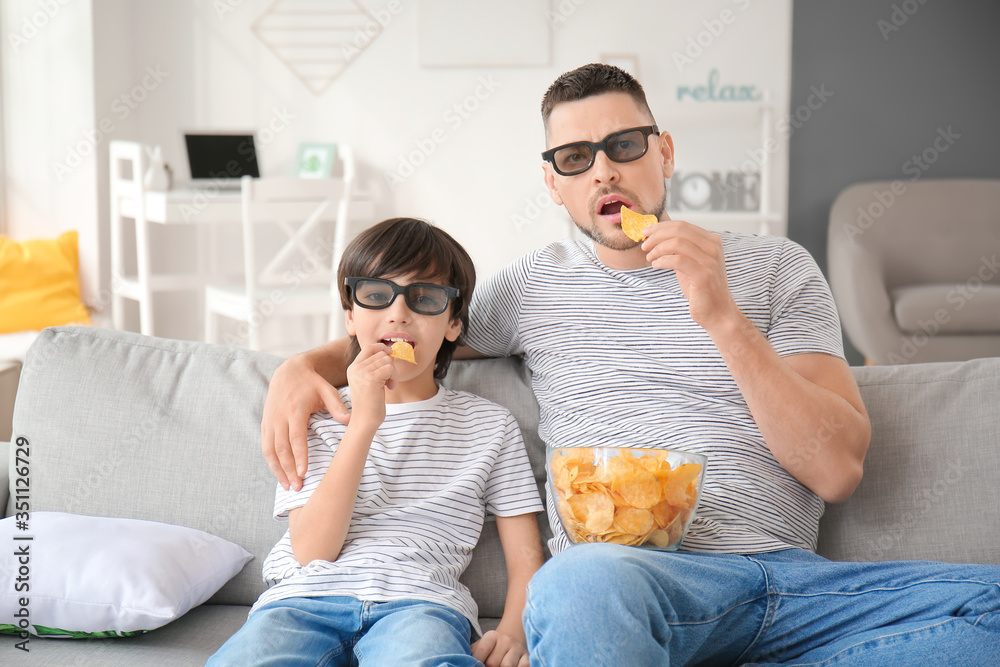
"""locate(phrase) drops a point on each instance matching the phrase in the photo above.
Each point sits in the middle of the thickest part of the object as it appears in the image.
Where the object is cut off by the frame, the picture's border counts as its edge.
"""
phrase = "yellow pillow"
(40, 284)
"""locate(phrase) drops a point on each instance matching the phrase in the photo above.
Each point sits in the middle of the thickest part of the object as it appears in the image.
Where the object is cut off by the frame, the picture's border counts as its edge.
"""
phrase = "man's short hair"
(408, 246)
(590, 80)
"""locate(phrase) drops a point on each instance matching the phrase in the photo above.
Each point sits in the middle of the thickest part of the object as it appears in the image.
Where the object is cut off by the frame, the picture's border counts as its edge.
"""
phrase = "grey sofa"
(125, 425)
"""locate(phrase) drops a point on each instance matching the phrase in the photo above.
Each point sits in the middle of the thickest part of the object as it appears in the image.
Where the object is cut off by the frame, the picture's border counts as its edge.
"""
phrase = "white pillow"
(85, 575)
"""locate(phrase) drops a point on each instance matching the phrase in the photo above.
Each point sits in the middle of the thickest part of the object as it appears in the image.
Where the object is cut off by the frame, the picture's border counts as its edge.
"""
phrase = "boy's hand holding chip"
(371, 373)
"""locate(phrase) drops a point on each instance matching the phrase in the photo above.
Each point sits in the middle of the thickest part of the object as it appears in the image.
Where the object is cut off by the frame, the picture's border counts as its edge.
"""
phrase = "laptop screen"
(224, 157)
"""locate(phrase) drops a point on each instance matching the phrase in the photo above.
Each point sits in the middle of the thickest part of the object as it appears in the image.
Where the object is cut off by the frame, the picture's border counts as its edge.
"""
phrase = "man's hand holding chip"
(696, 255)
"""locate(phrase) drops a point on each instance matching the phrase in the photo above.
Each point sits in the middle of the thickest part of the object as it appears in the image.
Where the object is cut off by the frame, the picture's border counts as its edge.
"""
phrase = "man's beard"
(624, 242)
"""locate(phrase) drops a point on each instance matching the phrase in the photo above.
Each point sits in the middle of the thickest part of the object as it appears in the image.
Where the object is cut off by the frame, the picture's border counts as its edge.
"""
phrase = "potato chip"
(402, 350)
(594, 510)
(642, 490)
(616, 537)
(659, 538)
(633, 520)
(633, 223)
(664, 514)
(675, 487)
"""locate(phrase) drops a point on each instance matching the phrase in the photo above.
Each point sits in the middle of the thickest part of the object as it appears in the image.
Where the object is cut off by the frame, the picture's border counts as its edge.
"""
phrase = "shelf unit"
(687, 119)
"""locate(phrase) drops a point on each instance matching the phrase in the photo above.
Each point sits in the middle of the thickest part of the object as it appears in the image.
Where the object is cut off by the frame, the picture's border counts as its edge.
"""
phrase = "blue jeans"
(347, 631)
(605, 604)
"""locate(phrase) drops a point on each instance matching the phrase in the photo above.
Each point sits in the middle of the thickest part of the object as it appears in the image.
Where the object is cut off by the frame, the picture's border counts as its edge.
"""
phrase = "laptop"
(221, 158)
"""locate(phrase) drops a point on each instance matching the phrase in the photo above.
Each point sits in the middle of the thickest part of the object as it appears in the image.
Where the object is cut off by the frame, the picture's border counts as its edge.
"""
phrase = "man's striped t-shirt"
(617, 361)
(435, 468)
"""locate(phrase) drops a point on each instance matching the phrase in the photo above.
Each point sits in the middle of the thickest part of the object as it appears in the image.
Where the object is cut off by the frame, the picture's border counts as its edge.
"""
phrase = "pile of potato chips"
(613, 495)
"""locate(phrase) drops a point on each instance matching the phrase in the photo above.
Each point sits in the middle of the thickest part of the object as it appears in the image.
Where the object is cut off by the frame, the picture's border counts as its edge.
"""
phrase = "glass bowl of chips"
(636, 496)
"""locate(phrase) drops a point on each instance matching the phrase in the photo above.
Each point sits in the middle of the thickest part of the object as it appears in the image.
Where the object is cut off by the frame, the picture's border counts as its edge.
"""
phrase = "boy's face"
(425, 333)
(594, 198)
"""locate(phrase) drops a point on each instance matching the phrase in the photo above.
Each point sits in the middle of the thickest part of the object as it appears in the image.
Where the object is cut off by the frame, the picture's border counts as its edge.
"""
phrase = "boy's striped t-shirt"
(434, 470)
(617, 361)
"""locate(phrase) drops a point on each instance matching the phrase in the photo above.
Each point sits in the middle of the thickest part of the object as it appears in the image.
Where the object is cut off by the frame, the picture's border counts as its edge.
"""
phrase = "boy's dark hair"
(590, 80)
(407, 246)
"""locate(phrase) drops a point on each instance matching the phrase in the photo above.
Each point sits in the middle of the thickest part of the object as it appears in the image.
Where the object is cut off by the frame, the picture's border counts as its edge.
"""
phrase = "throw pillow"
(80, 576)
(40, 284)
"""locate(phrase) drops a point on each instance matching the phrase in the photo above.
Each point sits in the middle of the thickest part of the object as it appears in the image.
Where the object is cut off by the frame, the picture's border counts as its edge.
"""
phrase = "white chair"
(132, 198)
(299, 277)
(127, 187)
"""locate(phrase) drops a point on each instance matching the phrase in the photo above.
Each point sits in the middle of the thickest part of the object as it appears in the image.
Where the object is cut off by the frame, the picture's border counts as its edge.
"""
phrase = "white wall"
(48, 111)
(479, 174)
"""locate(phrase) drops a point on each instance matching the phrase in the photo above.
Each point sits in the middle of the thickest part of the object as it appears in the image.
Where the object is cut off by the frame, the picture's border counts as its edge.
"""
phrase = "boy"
(393, 503)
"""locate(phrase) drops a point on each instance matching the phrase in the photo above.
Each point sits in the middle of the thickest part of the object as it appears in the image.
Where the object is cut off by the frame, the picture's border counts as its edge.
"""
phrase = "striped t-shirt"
(433, 471)
(617, 361)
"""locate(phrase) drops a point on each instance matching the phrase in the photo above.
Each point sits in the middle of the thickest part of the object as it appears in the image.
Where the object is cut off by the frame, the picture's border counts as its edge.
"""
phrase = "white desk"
(205, 206)
(186, 206)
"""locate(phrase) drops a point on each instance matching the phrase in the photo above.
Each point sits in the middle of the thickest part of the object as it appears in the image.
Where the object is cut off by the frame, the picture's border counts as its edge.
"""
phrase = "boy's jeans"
(346, 631)
(605, 604)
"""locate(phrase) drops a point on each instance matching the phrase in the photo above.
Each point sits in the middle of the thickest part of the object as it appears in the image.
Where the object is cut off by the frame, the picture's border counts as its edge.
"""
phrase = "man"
(728, 345)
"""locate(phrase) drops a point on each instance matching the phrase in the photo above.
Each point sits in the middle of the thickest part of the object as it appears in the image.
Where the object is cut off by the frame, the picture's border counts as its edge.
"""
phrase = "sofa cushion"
(930, 489)
(948, 309)
(103, 576)
(164, 430)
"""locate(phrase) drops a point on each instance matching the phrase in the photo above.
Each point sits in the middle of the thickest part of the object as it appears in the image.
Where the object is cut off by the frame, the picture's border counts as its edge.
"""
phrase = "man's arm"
(522, 549)
(807, 406)
(301, 385)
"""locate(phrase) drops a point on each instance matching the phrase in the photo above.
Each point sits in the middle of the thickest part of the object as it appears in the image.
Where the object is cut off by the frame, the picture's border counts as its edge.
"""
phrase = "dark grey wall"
(896, 72)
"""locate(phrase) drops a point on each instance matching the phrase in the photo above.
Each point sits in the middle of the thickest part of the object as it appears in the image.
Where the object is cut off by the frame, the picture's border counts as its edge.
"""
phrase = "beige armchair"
(915, 269)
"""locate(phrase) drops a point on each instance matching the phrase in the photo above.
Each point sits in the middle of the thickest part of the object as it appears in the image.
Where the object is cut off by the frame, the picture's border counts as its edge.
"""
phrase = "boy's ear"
(454, 330)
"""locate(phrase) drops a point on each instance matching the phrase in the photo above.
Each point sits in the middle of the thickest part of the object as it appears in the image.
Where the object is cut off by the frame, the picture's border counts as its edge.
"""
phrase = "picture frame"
(315, 160)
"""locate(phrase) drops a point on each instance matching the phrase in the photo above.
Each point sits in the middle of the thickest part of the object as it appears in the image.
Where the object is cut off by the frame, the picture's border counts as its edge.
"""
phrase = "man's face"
(594, 198)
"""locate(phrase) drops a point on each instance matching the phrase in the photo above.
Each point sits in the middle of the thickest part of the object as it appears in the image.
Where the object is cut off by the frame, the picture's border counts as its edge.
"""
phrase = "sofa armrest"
(4, 476)
(10, 373)
(857, 278)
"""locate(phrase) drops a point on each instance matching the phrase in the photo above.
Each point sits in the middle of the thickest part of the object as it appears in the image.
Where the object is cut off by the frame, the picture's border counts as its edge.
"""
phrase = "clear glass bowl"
(626, 495)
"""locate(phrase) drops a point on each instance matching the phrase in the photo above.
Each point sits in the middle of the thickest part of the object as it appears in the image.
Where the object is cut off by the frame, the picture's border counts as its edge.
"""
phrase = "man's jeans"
(345, 631)
(605, 604)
